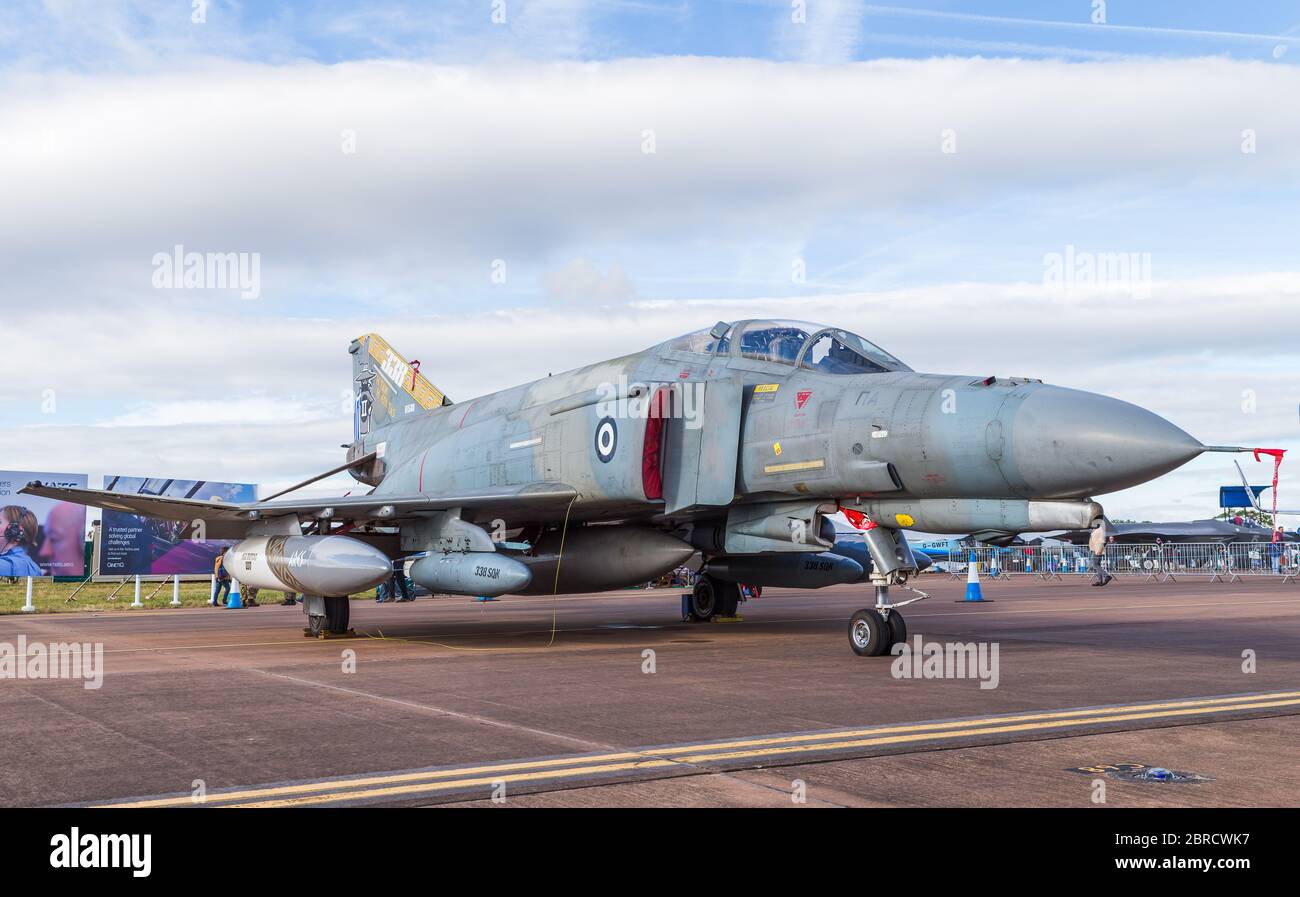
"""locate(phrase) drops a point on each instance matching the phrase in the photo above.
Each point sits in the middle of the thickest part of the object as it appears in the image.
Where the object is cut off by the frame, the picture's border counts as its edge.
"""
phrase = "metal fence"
(1162, 562)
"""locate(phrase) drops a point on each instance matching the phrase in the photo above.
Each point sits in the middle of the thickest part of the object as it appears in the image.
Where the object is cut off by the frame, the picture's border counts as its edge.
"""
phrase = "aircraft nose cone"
(1067, 443)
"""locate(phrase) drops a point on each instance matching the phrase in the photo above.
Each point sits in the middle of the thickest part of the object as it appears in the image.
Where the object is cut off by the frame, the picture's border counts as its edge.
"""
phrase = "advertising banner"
(131, 545)
(42, 533)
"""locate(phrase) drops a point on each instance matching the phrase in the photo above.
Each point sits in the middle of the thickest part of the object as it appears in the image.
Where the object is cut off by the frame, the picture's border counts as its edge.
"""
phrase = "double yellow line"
(415, 784)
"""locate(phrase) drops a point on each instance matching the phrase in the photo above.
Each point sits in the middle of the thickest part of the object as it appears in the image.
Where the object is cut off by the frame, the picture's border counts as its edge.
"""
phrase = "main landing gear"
(713, 598)
(326, 617)
(874, 631)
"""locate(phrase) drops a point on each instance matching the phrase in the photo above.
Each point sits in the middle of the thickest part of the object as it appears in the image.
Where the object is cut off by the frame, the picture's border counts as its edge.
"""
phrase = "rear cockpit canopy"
(814, 347)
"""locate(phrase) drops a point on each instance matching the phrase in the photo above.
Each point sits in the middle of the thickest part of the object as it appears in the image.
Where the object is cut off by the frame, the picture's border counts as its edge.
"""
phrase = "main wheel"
(868, 633)
(728, 598)
(337, 611)
(897, 630)
(314, 624)
(704, 599)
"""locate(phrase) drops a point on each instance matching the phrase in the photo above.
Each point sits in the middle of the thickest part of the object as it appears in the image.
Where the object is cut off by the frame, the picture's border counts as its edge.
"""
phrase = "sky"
(509, 189)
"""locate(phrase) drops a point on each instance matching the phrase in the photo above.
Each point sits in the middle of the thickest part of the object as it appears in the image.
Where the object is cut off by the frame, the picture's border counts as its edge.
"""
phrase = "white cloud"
(251, 411)
(459, 165)
(582, 281)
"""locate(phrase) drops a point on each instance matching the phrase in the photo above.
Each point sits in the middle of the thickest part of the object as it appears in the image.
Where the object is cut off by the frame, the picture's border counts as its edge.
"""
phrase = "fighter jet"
(1224, 531)
(735, 442)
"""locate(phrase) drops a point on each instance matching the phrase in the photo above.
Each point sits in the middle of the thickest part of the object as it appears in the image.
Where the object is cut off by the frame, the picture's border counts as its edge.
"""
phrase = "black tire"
(728, 598)
(868, 633)
(704, 599)
(337, 611)
(897, 630)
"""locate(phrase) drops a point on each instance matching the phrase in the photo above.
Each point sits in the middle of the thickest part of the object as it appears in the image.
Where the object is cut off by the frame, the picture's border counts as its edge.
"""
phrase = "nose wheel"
(868, 633)
(874, 631)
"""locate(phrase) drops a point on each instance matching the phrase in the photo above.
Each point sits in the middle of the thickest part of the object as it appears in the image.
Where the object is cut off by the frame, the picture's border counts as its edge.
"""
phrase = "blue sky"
(96, 35)
(920, 163)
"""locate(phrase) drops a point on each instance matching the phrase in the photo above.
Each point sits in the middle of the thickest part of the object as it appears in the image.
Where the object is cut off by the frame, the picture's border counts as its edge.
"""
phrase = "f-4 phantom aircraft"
(735, 442)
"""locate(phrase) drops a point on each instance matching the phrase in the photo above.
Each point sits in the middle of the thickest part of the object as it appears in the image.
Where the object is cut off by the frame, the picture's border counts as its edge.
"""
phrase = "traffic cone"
(233, 600)
(973, 592)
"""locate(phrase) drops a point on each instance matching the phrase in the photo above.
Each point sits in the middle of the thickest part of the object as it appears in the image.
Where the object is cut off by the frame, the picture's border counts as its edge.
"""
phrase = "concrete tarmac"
(610, 700)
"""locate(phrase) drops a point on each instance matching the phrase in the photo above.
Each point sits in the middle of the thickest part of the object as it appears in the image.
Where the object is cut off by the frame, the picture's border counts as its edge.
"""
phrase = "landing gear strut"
(874, 631)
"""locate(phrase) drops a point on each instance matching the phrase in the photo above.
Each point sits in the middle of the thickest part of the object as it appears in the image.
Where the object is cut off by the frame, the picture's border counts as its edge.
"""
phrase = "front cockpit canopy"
(815, 347)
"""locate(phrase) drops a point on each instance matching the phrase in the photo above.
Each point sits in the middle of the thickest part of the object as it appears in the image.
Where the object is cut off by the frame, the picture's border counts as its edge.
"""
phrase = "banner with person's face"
(50, 532)
(131, 545)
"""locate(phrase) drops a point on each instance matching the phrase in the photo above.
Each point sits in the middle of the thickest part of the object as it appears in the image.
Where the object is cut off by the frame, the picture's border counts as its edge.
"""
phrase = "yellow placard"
(795, 465)
(904, 519)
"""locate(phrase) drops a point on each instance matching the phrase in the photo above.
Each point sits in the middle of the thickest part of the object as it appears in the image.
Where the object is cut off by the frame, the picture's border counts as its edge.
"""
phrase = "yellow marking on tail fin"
(402, 373)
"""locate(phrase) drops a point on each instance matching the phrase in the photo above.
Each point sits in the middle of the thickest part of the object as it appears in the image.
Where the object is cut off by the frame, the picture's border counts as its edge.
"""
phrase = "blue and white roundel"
(606, 439)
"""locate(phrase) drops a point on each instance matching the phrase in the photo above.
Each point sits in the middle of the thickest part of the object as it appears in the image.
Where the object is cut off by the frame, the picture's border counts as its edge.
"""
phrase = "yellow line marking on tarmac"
(311, 792)
(433, 787)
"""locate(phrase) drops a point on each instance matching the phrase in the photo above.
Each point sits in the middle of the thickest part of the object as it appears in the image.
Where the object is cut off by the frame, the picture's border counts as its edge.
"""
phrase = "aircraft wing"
(360, 508)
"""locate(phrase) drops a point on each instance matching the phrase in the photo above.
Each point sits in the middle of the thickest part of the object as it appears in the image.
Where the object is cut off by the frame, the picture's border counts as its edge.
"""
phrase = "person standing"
(1097, 545)
(1275, 550)
(397, 584)
(223, 579)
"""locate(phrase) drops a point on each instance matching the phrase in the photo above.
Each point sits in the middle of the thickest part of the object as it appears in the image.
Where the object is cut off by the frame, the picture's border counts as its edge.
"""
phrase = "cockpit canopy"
(815, 347)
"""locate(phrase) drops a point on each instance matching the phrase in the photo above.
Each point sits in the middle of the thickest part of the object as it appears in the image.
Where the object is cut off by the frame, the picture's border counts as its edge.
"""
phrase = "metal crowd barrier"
(1159, 562)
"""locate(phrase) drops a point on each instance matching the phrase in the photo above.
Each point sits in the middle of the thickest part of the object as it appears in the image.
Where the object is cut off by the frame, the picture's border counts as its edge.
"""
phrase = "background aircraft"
(1182, 531)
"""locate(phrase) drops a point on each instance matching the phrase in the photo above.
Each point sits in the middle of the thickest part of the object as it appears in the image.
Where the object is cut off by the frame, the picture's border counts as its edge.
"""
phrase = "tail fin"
(387, 386)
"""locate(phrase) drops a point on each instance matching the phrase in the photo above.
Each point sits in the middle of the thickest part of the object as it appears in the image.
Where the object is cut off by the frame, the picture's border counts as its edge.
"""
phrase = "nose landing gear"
(874, 631)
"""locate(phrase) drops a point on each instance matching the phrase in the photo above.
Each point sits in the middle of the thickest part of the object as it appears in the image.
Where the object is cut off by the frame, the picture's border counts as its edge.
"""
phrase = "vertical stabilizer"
(387, 387)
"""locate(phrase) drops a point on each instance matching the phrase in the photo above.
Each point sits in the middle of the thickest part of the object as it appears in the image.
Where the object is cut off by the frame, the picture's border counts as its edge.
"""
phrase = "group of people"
(1101, 537)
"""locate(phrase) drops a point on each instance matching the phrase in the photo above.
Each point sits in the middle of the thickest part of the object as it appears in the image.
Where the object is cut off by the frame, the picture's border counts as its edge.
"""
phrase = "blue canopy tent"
(1236, 497)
